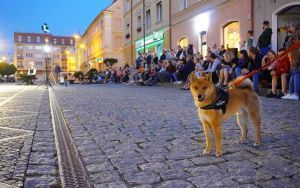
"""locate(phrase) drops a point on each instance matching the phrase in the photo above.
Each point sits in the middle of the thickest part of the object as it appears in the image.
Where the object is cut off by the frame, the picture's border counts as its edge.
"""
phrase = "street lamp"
(76, 36)
(47, 49)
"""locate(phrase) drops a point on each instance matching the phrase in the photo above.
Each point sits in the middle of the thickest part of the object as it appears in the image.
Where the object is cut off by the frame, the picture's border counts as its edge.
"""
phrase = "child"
(294, 84)
(279, 69)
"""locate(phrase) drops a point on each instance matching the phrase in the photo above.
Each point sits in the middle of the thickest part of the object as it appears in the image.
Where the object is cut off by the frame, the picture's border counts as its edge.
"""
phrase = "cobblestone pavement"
(27, 150)
(132, 136)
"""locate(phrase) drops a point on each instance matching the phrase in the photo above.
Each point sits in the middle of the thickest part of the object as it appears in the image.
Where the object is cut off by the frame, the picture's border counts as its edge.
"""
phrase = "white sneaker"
(287, 96)
(179, 82)
(294, 97)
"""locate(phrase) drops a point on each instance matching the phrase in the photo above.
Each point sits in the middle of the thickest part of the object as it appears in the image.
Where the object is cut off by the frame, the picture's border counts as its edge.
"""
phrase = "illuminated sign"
(156, 36)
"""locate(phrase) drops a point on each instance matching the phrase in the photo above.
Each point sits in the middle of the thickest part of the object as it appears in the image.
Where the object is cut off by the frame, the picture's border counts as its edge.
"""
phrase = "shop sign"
(156, 36)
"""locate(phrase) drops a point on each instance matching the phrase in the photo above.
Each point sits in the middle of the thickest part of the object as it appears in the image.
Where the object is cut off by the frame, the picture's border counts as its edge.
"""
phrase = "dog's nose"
(199, 96)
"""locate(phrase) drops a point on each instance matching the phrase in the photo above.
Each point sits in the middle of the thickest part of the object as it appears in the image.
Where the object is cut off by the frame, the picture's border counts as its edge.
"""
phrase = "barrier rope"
(289, 49)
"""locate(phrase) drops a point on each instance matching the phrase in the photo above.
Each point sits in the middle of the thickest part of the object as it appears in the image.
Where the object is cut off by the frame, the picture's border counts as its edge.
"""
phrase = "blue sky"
(64, 17)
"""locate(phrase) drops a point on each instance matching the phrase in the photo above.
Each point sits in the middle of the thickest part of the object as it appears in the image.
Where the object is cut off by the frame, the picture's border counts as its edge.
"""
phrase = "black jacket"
(256, 63)
(264, 39)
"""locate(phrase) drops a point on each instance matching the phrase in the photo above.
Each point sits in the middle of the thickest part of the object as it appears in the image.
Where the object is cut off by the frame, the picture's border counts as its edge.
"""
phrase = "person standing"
(31, 74)
(250, 39)
(264, 40)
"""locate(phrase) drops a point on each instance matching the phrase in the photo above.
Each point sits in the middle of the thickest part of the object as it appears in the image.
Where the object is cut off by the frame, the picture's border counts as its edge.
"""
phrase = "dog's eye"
(196, 88)
(204, 88)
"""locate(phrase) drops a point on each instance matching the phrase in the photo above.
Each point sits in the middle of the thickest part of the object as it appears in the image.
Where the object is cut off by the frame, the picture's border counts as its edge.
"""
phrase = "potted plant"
(79, 75)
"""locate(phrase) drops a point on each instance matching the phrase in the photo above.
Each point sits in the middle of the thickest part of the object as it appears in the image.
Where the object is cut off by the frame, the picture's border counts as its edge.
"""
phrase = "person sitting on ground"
(214, 64)
(255, 64)
(294, 84)
(198, 73)
(179, 52)
(226, 67)
(222, 50)
(215, 50)
(279, 69)
(187, 68)
(242, 64)
(266, 72)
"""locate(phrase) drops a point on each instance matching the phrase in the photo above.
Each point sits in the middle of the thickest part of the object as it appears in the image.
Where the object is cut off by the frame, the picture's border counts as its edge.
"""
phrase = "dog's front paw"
(218, 154)
(206, 152)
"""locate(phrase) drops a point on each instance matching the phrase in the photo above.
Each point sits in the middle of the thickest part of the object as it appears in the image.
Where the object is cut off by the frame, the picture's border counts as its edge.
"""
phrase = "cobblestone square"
(131, 136)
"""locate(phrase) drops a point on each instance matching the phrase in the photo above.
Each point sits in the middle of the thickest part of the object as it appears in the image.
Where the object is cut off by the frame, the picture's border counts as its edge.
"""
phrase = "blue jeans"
(256, 78)
(294, 85)
(264, 51)
(175, 77)
(238, 72)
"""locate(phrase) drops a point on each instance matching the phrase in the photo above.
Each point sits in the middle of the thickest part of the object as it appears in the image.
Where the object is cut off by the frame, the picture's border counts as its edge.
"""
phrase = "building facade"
(207, 22)
(146, 27)
(38, 48)
(280, 14)
(102, 39)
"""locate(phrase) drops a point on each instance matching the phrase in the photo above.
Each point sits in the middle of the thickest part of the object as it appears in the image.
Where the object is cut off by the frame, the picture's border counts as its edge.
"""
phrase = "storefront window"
(183, 42)
(232, 35)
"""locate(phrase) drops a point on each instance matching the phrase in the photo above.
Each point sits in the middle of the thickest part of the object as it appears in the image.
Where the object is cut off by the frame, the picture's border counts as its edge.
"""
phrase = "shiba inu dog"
(215, 106)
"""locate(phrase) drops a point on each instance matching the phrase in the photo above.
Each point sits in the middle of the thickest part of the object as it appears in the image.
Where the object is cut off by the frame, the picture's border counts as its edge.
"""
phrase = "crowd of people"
(175, 65)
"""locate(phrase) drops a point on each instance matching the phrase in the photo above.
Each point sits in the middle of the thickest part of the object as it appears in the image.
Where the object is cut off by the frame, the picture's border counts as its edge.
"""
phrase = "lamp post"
(47, 50)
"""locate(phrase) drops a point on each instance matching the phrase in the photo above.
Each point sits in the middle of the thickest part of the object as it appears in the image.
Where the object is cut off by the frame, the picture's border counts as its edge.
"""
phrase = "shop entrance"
(231, 34)
(287, 17)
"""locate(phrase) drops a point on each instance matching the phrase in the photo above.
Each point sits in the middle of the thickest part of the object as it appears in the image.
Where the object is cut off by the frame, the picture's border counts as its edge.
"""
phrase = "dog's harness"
(221, 101)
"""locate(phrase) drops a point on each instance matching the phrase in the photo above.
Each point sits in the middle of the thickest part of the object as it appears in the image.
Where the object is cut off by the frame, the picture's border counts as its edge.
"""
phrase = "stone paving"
(27, 150)
(130, 136)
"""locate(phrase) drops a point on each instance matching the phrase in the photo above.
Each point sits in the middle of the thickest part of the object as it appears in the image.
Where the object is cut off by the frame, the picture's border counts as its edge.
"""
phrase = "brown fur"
(243, 102)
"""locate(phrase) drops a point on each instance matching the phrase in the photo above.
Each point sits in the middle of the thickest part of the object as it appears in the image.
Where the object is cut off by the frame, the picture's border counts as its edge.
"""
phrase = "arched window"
(232, 35)
(184, 42)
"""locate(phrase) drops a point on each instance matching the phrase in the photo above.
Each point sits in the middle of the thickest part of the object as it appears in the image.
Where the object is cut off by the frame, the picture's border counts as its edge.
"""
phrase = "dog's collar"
(220, 102)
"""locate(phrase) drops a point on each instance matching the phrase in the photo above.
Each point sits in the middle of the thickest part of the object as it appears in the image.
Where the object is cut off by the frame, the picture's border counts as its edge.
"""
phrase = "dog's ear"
(193, 77)
(208, 77)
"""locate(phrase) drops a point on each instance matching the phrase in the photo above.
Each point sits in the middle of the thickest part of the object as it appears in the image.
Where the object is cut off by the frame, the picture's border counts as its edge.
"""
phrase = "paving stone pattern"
(130, 136)
(27, 150)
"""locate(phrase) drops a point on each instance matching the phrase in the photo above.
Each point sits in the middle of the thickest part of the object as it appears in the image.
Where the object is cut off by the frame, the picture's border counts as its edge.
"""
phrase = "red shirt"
(283, 65)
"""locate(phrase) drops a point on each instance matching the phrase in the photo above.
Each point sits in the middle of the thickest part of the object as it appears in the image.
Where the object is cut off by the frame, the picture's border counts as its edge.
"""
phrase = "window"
(54, 41)
(39, 63)
(29, 39)
(184, 4)
(71, 42)
(39, 47)
(46, 40)
(19, 38)
(139, 21)
(62, 41)
(158, 12)
(127, 6)
(29, 47)
(148, 19)
(19, 56)
(38, 39)
(183, 42)
(19, 47)
(28, 55)
(20, 64)
(38, 55)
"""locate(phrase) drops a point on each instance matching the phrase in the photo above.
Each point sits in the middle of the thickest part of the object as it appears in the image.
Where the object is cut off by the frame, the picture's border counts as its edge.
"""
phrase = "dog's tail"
(246, 84)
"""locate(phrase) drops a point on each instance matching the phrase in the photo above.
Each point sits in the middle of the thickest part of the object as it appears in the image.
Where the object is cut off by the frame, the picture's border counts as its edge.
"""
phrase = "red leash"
(290, 49)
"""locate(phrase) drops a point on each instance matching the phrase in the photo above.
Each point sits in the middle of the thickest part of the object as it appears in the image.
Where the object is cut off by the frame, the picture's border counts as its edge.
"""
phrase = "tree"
(79, 75)
(11, 69)
(91, 74)
(3, 68)
(110, 61)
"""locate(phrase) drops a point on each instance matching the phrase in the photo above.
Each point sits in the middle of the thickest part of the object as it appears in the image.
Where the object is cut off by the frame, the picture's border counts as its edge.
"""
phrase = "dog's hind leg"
(255, 117)
(242, 120)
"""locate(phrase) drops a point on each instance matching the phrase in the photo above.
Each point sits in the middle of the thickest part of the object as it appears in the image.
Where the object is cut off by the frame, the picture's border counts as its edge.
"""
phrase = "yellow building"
(102, 39)
(146, 27)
